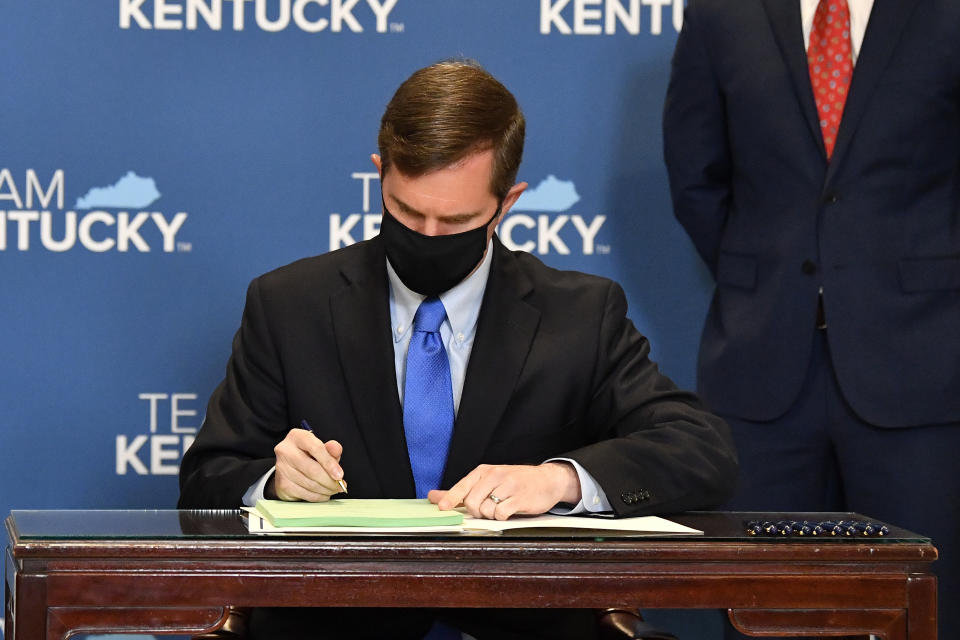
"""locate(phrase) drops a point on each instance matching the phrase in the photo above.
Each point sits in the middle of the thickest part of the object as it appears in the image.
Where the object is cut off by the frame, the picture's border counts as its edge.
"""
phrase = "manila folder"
(357, 513)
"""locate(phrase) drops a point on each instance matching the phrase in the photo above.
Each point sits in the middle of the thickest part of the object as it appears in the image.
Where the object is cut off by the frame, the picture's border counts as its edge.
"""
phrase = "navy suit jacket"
(556, 369)
(878, 227)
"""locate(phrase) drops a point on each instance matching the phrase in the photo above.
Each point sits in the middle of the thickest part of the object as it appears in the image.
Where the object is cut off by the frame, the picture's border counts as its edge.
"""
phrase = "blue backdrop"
(155, 155)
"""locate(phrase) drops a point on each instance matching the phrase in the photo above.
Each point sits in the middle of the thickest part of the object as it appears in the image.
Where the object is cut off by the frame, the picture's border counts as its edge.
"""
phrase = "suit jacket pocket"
(930, 274)
(737, 270)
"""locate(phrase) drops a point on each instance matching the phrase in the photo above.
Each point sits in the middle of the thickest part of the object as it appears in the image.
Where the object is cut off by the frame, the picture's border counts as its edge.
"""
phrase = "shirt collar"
(462, 302)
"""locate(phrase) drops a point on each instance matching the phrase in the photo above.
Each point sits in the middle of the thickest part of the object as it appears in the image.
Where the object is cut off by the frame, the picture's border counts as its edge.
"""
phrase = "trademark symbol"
(603, 248)
(396, 27)
(184, 247)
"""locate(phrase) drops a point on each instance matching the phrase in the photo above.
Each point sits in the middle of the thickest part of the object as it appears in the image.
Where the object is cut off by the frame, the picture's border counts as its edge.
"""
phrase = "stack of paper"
(357, 513)
(421, 516)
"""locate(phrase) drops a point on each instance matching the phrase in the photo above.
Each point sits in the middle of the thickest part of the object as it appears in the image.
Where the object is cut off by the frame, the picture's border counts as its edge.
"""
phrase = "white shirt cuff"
(255, 492)
(592, 500)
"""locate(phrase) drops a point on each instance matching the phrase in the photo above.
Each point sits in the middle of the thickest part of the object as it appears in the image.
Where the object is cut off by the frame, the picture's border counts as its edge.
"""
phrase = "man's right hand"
(307, 468)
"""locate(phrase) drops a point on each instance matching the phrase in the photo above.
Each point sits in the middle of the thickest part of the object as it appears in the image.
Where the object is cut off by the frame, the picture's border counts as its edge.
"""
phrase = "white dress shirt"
(462, 304)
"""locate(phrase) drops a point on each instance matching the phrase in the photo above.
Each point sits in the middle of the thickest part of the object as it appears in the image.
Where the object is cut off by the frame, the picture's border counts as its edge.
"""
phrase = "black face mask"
(431, 265)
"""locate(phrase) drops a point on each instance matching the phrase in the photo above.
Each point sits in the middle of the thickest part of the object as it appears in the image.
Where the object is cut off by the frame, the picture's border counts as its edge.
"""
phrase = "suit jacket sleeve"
(696, 146)
(666, 452)
(246, 417)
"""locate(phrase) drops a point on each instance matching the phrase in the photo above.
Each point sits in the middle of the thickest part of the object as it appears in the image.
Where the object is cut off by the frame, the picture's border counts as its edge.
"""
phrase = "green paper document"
(357, 513)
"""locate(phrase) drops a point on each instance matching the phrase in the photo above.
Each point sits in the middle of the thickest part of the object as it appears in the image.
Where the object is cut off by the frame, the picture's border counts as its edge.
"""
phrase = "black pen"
(306, 427)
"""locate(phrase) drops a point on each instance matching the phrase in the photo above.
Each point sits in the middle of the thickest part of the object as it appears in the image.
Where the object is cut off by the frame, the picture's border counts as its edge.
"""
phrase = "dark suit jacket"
(878, 226)
(556, 370)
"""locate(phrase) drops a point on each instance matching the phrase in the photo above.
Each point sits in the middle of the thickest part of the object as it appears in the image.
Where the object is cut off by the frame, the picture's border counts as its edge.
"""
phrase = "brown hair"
(447, 111)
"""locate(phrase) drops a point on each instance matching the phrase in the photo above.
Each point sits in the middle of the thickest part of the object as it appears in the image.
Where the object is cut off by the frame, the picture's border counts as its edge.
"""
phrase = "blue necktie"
(427, 398)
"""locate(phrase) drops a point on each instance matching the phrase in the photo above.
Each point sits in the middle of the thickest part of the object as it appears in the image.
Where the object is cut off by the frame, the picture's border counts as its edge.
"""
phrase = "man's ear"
(511, 198)
(378, 163)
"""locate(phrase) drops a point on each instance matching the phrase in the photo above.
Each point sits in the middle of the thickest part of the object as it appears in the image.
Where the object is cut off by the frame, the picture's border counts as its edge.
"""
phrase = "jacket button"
(831, 198)
(809, 267)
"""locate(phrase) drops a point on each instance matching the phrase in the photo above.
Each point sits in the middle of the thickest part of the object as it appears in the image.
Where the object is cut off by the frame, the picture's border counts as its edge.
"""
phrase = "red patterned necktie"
(830, 60)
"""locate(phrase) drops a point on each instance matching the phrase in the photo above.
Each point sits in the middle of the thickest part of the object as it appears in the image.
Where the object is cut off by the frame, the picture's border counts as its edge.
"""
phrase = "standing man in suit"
(813, 149)
(432, 362)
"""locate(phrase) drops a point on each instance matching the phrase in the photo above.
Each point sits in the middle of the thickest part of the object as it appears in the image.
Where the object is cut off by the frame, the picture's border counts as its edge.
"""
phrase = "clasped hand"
(496, 492)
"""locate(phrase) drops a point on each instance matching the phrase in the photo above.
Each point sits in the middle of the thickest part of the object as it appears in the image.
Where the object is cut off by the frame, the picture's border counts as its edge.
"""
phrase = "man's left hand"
(496, 492)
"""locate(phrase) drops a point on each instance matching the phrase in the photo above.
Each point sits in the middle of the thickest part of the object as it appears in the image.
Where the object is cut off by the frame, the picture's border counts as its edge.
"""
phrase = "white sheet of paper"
(643, 524)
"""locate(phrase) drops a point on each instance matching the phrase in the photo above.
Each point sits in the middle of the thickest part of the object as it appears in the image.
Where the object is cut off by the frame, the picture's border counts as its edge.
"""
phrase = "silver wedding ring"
(495, 499)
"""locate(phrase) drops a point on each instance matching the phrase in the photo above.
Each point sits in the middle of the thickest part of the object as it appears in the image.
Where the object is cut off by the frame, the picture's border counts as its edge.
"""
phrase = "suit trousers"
(820, 456)
(279, 623)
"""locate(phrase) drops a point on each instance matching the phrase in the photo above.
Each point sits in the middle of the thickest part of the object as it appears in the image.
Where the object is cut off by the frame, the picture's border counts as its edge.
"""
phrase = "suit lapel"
(505, 331)
(361, 323)
(784, 16)
(886, 23)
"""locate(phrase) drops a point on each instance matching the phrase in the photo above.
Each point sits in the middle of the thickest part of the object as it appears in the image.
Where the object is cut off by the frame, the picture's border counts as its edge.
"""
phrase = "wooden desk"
(173, 572)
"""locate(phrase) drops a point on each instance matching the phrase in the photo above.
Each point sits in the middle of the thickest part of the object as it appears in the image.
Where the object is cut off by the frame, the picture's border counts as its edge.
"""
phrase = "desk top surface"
(66, 525)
